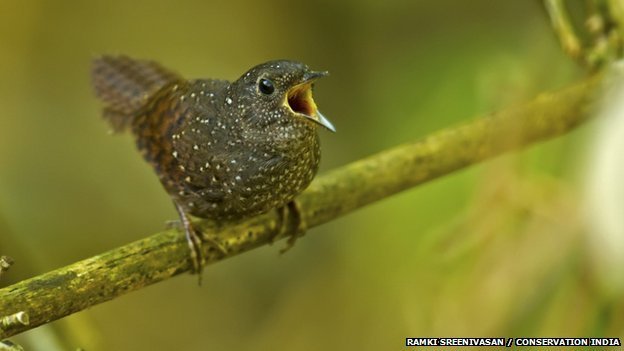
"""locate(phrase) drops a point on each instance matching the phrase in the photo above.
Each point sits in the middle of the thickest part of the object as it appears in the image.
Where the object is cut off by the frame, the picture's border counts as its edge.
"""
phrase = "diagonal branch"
(78, 286)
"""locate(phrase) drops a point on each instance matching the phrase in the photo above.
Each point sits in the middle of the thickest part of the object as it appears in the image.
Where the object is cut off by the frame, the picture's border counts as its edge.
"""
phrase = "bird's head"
(279, 92)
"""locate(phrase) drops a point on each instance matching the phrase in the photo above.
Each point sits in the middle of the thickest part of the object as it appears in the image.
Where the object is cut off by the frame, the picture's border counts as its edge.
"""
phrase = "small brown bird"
(223, 151)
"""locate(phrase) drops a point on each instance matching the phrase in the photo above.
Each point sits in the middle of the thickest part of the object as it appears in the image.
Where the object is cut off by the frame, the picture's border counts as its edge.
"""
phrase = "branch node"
(5, 264)
(15, 319)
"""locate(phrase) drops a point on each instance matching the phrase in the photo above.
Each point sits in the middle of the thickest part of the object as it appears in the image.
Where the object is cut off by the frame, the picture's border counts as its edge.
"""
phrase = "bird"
(223, 151)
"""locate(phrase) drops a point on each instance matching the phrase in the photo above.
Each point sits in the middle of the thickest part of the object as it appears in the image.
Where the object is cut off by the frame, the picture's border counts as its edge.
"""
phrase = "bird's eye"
(266, 86)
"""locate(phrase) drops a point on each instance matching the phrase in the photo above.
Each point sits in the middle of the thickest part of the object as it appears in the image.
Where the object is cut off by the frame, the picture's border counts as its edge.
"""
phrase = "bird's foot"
(194, 241)
(215, 244)
(283, 226)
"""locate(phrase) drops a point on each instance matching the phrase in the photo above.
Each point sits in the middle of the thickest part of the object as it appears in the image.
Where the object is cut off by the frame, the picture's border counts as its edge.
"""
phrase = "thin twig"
(603, 32)
(104, 277)
(563, 28)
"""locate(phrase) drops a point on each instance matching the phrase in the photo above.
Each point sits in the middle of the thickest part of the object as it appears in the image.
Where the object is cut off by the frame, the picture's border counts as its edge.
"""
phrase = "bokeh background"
(499, 249)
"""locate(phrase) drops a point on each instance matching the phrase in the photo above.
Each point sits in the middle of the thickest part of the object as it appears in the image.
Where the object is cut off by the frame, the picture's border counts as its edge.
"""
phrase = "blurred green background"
(495, 250)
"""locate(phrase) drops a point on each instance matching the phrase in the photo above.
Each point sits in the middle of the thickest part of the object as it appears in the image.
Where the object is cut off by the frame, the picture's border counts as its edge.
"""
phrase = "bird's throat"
(299, 99)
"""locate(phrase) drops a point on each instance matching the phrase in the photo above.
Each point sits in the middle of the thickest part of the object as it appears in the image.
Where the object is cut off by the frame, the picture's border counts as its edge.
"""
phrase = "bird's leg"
(283, 225)
(280, 225)
(194, 241)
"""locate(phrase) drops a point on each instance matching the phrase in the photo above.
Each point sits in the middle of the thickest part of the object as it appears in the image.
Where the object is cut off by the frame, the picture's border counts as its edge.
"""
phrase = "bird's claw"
(283, 225)
(195, 245)
(194, 241)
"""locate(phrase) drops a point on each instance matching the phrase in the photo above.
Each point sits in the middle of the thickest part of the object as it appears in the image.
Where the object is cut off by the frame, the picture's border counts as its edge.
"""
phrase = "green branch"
(161, 256)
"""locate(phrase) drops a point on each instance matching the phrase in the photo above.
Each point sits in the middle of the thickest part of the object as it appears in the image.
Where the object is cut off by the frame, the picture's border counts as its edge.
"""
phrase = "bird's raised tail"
(125, 86)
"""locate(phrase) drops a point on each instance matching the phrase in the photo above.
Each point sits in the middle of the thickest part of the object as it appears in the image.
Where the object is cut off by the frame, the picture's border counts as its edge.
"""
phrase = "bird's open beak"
(299, 100)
